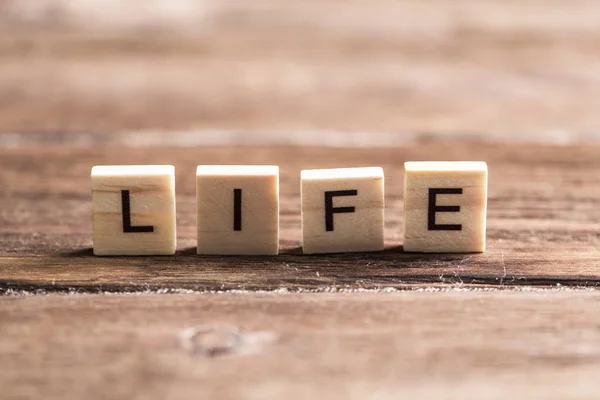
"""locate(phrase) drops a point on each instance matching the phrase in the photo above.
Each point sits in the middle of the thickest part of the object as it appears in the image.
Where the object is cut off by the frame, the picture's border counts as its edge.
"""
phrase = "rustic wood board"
(510, 67)
(467, 345)
(543, 221)
(432, 79)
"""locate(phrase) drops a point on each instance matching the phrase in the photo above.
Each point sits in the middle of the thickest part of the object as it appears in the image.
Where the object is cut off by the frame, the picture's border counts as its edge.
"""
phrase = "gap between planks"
(324, 139)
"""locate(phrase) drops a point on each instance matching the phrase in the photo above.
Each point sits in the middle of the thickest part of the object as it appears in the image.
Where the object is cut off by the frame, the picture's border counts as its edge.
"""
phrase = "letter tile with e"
(445, 205)
(238, 209)
(133, 210)
(343, 210)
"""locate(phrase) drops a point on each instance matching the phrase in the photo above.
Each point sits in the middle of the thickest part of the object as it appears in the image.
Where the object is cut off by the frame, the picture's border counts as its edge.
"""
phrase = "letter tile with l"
(133, 210)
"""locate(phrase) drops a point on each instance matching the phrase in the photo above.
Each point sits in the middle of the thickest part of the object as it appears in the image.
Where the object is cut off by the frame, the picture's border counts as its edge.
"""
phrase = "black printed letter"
(434, 208)
(330, 209)
(237, 209)
(126, 207)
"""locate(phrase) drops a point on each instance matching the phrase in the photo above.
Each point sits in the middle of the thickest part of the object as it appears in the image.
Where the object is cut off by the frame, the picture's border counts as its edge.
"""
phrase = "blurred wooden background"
(508, 68)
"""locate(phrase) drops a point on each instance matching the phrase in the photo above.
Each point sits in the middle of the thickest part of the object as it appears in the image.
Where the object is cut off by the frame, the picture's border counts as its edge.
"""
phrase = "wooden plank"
(514, 68)
(467, 345)
(543, 222)
(435, 81)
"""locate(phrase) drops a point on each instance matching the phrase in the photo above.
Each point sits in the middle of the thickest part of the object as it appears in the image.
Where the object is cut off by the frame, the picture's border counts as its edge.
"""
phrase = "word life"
(445, 205)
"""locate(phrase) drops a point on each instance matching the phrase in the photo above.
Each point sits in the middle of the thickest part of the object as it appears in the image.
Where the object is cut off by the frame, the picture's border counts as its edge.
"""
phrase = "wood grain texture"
(542, 223)
(120, 226)
(353, 210)
(237, 210)
(495, 67)
(427, 185)
(465, 345)
(301, 84)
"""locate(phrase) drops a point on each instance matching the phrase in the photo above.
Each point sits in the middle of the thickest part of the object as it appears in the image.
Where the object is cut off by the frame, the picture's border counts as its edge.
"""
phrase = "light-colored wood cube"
(343, 210)
(238, 209)
(133, 210)
(445, 205)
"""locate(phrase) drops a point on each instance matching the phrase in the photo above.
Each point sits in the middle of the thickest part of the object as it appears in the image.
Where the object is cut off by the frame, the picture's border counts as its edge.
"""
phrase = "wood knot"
(212, 341)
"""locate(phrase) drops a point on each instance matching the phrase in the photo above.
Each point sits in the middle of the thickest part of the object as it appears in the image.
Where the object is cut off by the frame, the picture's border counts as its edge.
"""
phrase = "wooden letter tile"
(342, 210)
(238, 210)
(134, 210)
(445, 206)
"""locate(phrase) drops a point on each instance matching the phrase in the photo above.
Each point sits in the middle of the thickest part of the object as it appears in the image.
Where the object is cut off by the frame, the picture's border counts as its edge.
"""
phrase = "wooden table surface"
(312, 84)
(520, 319)
(542, 222)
